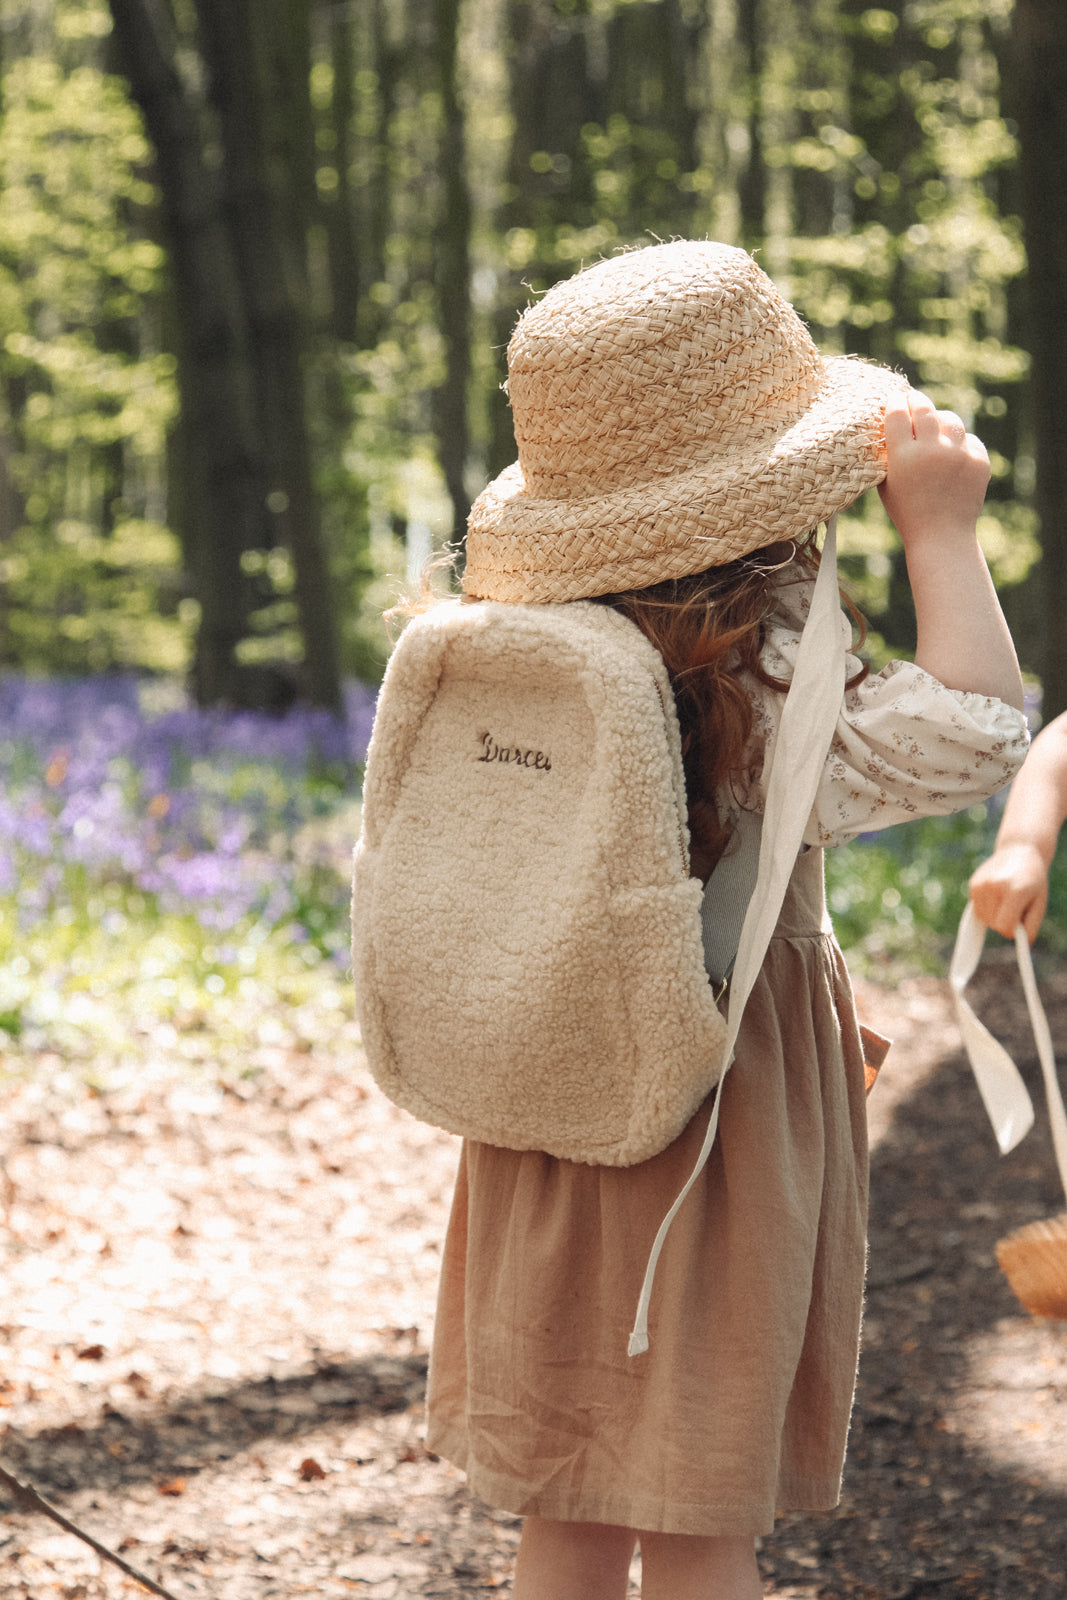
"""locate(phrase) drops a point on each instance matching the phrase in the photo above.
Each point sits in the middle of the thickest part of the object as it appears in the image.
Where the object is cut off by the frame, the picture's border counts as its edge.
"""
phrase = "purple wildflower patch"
(197, 809)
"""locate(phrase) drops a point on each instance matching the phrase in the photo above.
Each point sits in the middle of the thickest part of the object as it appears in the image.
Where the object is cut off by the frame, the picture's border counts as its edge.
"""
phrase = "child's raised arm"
(936, 476)
(1012, 886)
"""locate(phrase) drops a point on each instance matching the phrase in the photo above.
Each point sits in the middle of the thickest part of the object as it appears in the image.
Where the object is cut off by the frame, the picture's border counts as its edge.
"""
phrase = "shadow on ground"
(956, 1484)
(150, 1444)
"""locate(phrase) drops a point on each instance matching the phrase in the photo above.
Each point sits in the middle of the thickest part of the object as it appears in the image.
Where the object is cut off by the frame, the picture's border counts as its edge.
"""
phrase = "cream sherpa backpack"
(527, 939)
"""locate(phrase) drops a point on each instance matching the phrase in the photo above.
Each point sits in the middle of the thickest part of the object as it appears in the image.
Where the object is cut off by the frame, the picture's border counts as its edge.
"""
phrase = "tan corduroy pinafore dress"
(741, 1404)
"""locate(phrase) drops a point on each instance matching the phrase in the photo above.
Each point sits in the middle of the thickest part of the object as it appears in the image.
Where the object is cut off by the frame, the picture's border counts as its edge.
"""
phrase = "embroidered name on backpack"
(513, 753)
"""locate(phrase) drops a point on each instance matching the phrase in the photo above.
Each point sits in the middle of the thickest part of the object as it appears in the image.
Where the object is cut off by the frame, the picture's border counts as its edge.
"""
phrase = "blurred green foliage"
(90, 573)
(862, 151)
(896, 897)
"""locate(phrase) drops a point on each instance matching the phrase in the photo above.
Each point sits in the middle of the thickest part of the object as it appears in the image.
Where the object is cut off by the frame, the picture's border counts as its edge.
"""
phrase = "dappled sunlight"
(1013, 1397)
(215, 1308)
(218, 1228)
(917, 1015)
(220, 1279)
(956, 1481)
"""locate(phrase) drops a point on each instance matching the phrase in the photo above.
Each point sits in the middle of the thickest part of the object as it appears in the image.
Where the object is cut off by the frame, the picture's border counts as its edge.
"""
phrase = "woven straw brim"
(524, 548)
(1034, 1261)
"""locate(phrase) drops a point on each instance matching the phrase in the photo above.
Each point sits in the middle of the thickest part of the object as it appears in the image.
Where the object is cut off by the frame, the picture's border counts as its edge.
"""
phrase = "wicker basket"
(1034, 1261)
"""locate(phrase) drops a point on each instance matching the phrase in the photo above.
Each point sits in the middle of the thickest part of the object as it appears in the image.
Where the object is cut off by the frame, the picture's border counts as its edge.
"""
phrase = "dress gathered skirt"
(741, 1405)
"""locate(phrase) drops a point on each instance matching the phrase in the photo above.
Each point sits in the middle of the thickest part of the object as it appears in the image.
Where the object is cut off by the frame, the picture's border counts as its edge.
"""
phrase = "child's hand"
(936, 472)
(1011, 887)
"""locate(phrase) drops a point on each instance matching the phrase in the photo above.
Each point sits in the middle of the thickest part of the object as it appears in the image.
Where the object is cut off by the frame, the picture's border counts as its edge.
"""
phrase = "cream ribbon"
(1004, 1094)
(1003, 1091)
(809, 717)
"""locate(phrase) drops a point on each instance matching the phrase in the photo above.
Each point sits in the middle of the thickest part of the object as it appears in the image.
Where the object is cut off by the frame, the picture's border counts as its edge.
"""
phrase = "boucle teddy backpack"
(527, 937)
(527, 940)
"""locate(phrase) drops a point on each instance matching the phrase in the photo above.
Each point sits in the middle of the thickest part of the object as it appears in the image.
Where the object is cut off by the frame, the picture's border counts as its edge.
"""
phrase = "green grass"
(896, 898)
(133, 992)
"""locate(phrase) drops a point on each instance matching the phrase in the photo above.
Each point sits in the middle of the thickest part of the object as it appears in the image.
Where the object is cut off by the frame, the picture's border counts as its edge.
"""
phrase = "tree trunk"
(388, 57)
(341, 237)
(12, 407)
(452, 270)
(236, 243)
(258, 62)
(216, 437)
(752, 179)
(1040, 106)
(551, 94)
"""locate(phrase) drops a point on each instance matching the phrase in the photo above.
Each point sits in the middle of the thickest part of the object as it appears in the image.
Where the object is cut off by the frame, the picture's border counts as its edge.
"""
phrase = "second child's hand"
(1011, 887)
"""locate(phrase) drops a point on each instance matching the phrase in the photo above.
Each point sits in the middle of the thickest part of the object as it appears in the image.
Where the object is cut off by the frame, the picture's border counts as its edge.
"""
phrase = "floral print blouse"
(905, 746)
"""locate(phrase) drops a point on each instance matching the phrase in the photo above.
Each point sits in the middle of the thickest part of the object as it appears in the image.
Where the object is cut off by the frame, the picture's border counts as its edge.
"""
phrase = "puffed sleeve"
(905, 746)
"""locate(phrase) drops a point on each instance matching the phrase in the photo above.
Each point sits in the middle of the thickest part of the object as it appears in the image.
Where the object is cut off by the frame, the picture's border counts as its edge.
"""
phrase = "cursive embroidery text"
(513, 753)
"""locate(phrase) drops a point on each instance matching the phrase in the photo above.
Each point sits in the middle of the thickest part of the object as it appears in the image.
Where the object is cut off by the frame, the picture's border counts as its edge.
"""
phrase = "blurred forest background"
(259, 262)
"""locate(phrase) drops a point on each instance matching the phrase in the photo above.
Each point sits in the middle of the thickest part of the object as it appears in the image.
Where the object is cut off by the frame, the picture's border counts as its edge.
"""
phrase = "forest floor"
(217, 1297)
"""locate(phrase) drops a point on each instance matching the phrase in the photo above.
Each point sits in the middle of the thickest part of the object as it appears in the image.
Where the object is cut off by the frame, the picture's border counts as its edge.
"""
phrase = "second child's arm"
(1012, 886)
(936, 476)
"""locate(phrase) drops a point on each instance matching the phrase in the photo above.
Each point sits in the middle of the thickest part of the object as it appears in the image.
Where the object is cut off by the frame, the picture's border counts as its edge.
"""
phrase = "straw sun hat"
(672, 413)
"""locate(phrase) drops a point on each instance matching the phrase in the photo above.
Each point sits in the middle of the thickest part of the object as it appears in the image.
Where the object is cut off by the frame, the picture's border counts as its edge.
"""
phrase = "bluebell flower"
(194, 808)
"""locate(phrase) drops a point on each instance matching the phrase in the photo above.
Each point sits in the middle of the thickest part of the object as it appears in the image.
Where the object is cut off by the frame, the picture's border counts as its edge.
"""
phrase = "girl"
(679, 438)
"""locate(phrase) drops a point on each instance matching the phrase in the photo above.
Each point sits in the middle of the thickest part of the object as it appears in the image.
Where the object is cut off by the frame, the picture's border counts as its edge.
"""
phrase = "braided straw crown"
(672, 413)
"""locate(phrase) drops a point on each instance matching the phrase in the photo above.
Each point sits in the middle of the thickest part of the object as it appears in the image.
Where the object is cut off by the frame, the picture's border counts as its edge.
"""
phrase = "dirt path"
(217, 1296)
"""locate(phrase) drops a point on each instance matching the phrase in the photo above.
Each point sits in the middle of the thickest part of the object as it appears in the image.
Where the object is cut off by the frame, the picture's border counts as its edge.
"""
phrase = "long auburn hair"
(710, 628)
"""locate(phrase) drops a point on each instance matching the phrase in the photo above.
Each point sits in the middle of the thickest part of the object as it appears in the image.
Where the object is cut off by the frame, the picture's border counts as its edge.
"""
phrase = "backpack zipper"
(679, 821)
